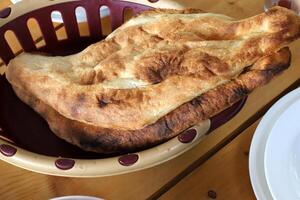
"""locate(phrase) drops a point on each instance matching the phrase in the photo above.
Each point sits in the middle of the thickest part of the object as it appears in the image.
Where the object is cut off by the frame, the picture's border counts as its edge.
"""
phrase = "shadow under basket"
(25, 134)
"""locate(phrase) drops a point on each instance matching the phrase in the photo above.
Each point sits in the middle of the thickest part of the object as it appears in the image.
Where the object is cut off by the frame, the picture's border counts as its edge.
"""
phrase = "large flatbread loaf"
(155, 76)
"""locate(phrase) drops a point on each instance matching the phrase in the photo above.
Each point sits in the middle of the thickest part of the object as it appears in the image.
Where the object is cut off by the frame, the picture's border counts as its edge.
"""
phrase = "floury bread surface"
(155, 76)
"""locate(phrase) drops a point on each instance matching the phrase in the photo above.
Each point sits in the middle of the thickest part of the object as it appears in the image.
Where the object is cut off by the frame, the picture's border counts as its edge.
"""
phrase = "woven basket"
(26, 140)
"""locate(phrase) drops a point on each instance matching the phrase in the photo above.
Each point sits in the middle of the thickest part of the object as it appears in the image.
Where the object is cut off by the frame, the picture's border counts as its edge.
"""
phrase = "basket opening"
(127, 14)
(106, 21)
(36, 32)
(61, 33)
(82, 24)
(2, 68)
(41, 43)
(13, 41)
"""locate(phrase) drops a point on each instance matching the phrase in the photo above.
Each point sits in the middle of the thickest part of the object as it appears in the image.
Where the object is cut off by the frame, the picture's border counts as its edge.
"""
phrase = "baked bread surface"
(155, 76)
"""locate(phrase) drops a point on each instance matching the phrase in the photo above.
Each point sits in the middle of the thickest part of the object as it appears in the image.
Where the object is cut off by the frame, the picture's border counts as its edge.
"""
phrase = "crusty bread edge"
(104, 140)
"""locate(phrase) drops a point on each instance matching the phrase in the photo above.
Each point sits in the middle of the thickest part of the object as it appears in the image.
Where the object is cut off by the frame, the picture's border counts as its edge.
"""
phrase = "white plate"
(258, 145)
(282, 155)
(80, 13)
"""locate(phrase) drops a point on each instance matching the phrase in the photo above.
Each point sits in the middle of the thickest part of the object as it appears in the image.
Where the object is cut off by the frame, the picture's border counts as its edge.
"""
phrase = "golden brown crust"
(170, 11)
(105, 140)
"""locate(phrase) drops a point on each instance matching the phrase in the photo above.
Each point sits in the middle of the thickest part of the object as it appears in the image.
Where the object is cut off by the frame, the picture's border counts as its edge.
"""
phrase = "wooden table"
(216, 168)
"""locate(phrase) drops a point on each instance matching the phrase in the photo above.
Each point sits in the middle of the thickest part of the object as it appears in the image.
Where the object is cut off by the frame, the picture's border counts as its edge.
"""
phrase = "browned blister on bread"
(155, 76)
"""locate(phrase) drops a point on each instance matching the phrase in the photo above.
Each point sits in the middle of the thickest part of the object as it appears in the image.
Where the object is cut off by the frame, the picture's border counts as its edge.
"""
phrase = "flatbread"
(155, 76)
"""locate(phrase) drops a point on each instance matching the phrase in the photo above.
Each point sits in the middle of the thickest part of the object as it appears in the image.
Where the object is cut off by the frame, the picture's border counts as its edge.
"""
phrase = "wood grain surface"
(151, 183)
(225, 175)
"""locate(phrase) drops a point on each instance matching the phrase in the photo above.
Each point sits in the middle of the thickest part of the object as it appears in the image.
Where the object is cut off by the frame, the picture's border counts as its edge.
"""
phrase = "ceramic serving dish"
(25, 138)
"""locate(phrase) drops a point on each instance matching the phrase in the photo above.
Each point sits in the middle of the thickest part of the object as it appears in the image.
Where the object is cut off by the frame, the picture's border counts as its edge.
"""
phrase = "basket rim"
(105, 166)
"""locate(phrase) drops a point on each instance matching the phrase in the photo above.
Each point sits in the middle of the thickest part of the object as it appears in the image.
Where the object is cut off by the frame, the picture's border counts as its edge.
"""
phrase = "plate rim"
(258, 143)
(267, 149)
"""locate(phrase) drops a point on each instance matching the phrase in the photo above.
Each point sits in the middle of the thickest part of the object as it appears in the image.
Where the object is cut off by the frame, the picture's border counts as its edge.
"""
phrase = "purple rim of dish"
(226, 115)
(7, 150)
(285, 3)
(64, 163)
(187, 136)
(128, 160)
(5, 12)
